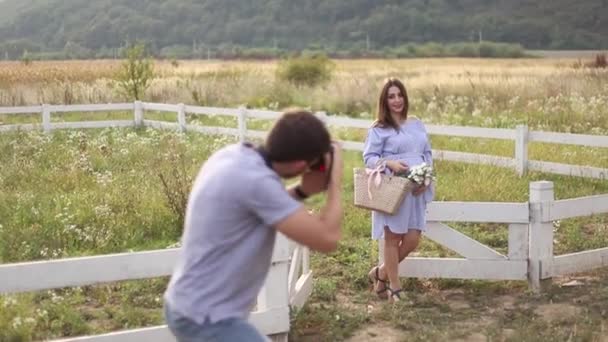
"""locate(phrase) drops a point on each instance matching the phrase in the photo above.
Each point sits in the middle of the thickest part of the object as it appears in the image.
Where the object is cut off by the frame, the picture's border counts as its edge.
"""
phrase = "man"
(237, 204)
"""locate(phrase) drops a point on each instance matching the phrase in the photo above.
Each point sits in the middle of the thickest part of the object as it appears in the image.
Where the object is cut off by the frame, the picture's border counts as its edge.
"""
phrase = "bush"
(136, 73)
(306, 70)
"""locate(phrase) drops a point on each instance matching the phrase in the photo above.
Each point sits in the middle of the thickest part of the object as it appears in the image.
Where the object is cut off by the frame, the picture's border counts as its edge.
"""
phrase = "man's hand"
(313, 182)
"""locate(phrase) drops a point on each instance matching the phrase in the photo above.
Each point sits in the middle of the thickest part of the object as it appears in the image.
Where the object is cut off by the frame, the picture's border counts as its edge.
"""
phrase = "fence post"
(274, 294)
(541, 234)
(242, 124)
(181, 117)
(138, 113)
(521, 149)
(46, 118)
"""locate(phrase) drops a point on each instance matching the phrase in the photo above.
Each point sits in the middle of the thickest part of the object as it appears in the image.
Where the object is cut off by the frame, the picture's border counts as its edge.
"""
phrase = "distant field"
(565, 53)
(548, 94)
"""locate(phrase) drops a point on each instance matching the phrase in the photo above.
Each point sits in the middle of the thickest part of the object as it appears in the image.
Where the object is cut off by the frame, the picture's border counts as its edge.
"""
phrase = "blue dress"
(411, 145)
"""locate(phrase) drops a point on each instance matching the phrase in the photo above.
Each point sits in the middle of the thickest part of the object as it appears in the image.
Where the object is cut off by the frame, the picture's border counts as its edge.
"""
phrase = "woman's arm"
(427, 153)
(372, 150)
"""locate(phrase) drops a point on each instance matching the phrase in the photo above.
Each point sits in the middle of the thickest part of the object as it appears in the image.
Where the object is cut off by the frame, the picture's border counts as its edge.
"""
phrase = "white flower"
(16, 322)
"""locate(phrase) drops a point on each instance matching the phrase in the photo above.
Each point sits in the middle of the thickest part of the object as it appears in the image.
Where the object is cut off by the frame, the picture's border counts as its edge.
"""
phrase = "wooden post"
(541, 233)
(46, 118)
(138, 113)
(181, 117)
(521, 149)
(274, 294)
(518, 241)
(242, 124)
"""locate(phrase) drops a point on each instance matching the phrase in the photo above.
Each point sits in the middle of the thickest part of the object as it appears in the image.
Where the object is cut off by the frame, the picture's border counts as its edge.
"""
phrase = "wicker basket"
(387, 192)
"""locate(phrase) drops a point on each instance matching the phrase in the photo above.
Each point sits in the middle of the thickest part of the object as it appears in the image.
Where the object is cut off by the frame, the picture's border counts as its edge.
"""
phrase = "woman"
(398, 142)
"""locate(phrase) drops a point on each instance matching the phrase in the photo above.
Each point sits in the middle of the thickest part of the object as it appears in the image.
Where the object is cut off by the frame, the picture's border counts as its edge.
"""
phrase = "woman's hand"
(419, 190)
(397, 166)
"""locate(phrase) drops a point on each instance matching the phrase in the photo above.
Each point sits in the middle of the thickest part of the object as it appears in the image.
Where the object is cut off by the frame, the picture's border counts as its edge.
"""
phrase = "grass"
(91, 192)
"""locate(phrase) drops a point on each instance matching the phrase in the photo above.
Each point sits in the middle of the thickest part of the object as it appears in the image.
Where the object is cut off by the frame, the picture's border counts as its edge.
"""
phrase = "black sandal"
(377, 279)
(395, 293)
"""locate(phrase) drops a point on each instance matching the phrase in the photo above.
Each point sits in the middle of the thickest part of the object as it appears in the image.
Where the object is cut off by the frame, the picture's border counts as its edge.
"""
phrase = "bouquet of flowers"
(422, 174)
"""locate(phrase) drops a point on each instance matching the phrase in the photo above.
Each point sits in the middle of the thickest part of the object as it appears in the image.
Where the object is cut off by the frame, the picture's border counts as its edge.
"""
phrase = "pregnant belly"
(411, 159)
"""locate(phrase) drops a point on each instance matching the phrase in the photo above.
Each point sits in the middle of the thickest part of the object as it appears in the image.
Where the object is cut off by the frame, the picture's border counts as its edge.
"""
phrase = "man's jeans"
(228, 330)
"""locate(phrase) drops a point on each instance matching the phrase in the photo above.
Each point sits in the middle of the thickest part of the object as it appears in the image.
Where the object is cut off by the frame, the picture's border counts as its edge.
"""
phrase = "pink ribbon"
(375, 176)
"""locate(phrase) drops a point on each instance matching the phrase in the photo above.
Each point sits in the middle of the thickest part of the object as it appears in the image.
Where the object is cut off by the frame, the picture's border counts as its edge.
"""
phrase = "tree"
(136, 72)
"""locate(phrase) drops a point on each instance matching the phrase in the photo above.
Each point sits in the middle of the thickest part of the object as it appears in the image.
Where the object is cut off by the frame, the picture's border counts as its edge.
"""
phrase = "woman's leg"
(408, 243)
(391, 257)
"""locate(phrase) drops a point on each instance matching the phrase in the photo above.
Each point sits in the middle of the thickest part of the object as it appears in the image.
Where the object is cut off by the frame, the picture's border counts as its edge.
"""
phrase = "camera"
(321, 165)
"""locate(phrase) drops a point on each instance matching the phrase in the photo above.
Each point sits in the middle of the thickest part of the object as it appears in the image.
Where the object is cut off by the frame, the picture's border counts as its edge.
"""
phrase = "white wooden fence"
(289, 283)
(530, 242)
(521, 135)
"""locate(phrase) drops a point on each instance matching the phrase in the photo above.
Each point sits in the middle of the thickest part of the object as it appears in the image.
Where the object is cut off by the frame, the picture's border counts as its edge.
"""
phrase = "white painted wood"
(273, 320)
(575, 262)
(294, 269)
(242, 123)
(352, 145)
(521, 149)
(46, 118)
(212, 111)
(268, 322)
(474, 158)
(478, 212)
(92, 124)
(181, 117)
(161, 107)
(460, 243)
(302, 291)
(42, 275)
(322, 116)
(101, 107)
(575, 207)
(151, 334)
(570, 139)
(263, 114)
(459, 131)
(19, 127)
(464, 268)
(341, 121)
(476, 132)
(518, 241)
(21, 110)
(162, 124)
(568, 170)
(541, 231)
(274, 293)
(138, 113)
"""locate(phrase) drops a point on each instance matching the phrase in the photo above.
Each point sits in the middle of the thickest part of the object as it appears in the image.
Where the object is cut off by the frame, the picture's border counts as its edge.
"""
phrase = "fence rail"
(521, 135)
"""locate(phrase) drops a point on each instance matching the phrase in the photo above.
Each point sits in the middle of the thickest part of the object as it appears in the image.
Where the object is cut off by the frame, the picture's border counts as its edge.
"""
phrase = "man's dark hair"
(297, 135)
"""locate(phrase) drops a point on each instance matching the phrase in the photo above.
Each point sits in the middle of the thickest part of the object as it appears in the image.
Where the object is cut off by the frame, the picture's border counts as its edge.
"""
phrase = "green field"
(73, 193)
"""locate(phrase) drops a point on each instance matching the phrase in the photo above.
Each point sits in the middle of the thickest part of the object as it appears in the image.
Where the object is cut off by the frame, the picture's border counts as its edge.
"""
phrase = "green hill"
(83, 26)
